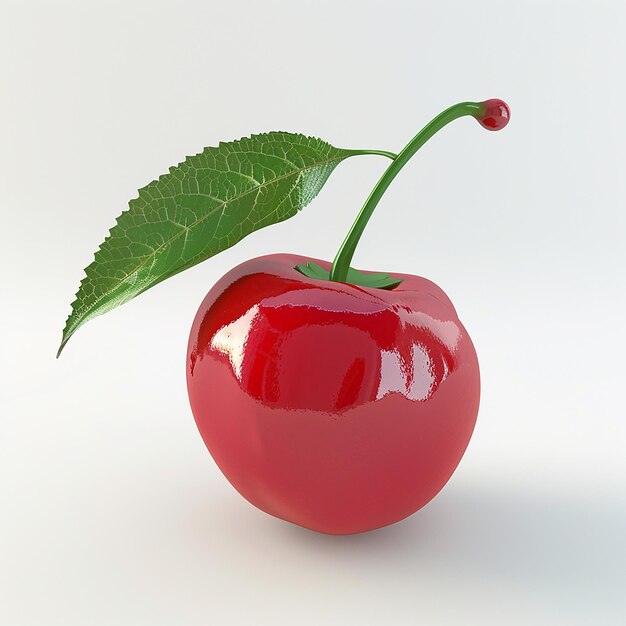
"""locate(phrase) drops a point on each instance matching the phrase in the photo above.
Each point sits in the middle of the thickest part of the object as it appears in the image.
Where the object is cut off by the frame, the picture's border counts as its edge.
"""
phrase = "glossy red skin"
(335, 407)
(497, 114)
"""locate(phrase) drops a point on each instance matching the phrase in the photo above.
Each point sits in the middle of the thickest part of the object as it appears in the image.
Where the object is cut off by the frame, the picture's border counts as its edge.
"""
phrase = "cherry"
(337, 407)
(333, 404)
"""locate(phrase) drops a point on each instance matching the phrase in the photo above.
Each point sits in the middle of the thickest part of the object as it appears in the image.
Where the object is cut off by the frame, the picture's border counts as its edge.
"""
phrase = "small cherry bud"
(496, 114)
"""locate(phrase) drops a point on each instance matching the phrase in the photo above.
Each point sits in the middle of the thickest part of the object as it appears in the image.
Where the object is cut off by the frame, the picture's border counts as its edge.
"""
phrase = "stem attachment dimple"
(491, 114)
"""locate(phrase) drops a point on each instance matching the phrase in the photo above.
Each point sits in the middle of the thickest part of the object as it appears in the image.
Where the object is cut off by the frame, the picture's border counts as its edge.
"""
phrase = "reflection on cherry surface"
(337, 407)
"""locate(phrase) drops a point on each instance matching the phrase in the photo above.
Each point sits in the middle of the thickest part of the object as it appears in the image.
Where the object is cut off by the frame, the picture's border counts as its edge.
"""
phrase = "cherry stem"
(479, 110)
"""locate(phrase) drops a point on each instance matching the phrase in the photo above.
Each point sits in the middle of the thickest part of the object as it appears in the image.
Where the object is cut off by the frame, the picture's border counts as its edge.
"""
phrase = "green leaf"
(204, 205)
(355, 277)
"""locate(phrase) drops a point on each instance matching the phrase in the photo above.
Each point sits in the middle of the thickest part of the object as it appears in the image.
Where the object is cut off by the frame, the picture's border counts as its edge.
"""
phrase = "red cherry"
(335, 407)
(496, 116)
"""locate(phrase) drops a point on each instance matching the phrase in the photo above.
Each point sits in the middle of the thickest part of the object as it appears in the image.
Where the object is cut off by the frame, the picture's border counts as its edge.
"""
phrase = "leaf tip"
(63, 344)
(67, 333)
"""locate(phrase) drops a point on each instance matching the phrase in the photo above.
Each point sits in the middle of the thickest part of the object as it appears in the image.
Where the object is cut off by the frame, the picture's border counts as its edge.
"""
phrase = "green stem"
(341, 264)
(385, 153)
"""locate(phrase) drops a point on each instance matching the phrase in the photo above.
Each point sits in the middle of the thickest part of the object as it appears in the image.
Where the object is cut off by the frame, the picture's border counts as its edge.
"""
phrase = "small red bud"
(496, 116)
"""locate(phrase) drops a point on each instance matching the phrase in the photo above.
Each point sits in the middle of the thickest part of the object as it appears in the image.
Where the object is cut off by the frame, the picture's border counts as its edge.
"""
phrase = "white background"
(111, 510)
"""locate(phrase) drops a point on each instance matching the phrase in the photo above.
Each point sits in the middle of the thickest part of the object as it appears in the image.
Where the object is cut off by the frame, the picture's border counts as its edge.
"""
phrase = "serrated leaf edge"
(86, 313)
